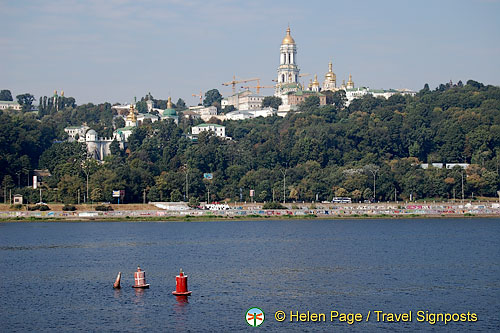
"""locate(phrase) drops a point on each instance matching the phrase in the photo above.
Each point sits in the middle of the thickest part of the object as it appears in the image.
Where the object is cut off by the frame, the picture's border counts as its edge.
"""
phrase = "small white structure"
(452, 165)
(248, 114)
(353, 93)
(10, 105)
(76, 133)
(204, 111)
(434, 165)
(141, 117)
(218, 130)
(442, 165)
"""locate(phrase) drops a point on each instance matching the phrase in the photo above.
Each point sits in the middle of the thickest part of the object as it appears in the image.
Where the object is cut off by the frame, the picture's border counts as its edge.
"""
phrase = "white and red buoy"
(181, 285)
(116, 285)
(140, 279)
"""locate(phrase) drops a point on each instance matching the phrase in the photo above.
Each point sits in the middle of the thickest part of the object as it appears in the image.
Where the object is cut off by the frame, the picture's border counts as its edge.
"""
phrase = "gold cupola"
(350, 83)
(131, 114)
(288, 38)
(330, 75)
(315, 82)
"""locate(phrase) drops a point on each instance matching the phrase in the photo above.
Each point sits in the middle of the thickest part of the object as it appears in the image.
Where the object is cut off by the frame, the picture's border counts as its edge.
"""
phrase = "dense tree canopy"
(372, 148)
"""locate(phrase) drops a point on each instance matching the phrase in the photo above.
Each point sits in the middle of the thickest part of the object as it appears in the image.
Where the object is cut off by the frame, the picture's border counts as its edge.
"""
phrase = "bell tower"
(288, 71)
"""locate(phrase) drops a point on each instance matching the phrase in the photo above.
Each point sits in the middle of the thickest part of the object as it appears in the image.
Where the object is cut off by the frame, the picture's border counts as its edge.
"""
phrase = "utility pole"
(186, 192)
(284, 185)
(463, 188)
(144, 196)
(78, 196)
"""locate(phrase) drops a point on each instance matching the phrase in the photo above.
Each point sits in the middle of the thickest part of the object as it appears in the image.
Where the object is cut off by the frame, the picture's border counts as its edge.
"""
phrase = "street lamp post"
(284, 185)
(463, 196)
(186, 192)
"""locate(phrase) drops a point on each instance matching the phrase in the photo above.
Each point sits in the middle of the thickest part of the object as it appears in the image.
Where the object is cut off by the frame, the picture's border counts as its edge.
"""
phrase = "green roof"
(9, 102)
(207, 125)
(169, 112)
(126, 128)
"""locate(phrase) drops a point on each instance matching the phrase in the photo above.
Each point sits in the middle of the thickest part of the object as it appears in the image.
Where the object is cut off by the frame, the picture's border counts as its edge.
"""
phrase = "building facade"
(288, 71)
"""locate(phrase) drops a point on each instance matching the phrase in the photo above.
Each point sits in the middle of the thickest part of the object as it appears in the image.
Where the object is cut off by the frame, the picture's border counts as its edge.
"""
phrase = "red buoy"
(116, 285)
(140, 279)
(181, 285)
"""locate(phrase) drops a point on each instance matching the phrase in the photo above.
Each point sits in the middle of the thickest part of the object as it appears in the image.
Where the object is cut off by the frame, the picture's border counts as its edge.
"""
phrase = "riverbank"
(150, 212)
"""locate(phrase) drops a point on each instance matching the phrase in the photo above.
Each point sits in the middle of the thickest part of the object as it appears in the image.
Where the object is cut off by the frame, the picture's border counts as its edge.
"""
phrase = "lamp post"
(186, 191)
(284, 185)
(373, 169)
(463, 196)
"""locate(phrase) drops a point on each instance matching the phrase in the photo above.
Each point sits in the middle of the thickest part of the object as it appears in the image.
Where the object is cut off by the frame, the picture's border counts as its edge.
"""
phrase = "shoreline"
(180, 212)
(217, 218)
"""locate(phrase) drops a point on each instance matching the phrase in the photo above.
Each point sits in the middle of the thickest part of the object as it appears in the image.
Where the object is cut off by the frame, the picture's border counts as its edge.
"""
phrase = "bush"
(39, 207)
(16, 206)
(43, 207)
(68, 207)
(103, 208)
(273, 205)
(193, 202)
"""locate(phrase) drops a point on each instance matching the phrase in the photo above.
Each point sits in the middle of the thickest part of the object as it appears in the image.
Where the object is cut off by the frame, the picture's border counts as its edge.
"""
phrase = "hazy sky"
(100, 50)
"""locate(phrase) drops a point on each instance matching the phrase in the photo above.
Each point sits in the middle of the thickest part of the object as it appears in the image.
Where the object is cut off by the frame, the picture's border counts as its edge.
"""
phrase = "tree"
(212, 97)
(339, 99)
(180, 105)
(96, 194)
(228, 108)
(309, 103)
(26, 100)
(5, 95)
(272, 101)
(119, 122)
(341, 192)
(142, 107)
(114, 147)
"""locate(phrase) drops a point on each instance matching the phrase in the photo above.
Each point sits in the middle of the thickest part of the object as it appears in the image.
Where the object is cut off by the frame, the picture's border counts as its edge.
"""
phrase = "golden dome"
(131, 114)
(330, 75)
(288, 39)
(315, 82)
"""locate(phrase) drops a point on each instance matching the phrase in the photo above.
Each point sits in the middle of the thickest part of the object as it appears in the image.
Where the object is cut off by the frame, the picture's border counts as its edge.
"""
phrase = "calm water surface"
(59, 276)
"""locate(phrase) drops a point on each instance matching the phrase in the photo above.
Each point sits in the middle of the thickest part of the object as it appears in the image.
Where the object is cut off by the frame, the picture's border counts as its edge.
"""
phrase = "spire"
(288, 38)
(350, 84)
(169, 103)
(330, 67)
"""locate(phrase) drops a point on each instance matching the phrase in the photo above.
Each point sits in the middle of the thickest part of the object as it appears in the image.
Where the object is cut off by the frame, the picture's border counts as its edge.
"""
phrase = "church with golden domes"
(288, 87)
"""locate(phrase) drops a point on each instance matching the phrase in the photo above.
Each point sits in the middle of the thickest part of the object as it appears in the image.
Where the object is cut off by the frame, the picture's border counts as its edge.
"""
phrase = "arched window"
(282, 77)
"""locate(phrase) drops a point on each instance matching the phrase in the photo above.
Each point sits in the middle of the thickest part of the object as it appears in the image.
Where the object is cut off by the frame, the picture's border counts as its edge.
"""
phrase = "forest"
(370, 150)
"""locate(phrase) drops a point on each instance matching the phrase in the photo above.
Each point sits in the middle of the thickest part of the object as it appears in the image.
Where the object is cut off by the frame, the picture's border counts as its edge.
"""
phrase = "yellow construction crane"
(234, 82)
(201, 96)
(258, 87)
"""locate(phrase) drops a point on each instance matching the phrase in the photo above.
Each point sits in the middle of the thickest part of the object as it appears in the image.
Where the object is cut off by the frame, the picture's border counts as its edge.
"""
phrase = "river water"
(58, 276)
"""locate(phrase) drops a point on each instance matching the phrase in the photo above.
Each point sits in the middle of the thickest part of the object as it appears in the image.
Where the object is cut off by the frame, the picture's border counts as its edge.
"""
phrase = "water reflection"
(181, 310)
(117, 293)
(182, 300)
(139, 296)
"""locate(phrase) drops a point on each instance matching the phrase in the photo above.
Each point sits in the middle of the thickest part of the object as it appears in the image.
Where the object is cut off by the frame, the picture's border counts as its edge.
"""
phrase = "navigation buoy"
(181, 285)
(140, 279)
(116, 285)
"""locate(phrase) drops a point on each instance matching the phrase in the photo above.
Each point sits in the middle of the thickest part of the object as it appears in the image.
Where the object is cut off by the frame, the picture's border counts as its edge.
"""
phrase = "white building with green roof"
(217, 129)
(5, 105)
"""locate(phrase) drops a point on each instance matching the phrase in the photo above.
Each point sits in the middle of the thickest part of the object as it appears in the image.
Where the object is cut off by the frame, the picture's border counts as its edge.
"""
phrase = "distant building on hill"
(218, 130)
(4, 105)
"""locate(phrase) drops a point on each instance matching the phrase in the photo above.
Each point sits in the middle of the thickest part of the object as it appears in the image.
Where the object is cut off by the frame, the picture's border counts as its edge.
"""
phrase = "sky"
(113, 50)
